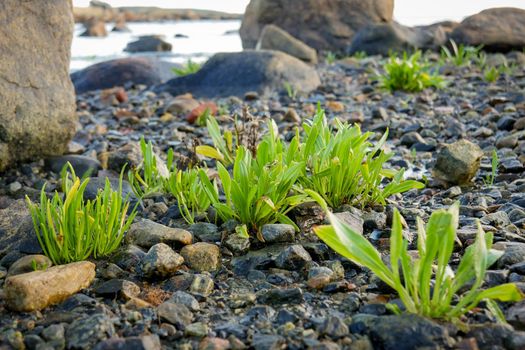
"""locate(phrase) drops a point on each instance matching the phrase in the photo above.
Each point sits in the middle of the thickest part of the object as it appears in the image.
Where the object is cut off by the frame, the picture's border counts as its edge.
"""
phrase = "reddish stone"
(197, 112)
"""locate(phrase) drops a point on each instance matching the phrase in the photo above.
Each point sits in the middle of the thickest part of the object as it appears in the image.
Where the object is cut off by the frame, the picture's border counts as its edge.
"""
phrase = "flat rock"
(39, 289)
(234, 74)
(146, 233)
(119, 72)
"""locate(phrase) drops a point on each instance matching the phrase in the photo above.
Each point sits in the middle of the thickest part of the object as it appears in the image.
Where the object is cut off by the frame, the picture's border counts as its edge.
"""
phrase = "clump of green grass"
(461, 55)
(409, 73)
(257, 192)
(427, 285)
(491, 74)
(291, 91)
(146, 178)
(489, 179)
(189, 68)
(70, 229)
(343, 166)
(331, 57)
(187, 188)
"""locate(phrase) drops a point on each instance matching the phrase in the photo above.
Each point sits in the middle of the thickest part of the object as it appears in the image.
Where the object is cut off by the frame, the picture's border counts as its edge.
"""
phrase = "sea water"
(204, 38)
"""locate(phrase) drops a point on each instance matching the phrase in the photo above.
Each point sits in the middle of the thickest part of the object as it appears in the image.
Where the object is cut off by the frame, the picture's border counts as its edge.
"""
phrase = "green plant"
(291, 91)
(343, 166)
(224, 144)
(489, 179)
(187, 188)
(491, 74)
(189, 68)
(460, 55)
(330, 57)
(359, 55)
(409, 73)
(38, 267)
(146, 178)
(72, 229)
(427, 285)
(257, 192)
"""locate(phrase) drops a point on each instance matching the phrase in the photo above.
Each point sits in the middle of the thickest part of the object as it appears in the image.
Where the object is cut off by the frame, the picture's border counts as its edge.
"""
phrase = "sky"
(410, 12)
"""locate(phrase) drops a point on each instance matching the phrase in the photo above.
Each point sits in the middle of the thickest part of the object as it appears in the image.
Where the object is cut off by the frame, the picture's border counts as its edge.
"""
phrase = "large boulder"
(380, 39)
(274, 38)
(234, 74)
(323, 25)
(148, 43)
(37, 100)
(118, 72)
(497, 29)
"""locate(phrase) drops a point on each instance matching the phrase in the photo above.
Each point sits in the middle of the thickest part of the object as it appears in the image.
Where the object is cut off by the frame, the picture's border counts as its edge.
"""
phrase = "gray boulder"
(148, 43)
(274, 38)
(497, 29)
(323, 25)
(37, 104)
(234, 74)
(382, 38)
(118, 72)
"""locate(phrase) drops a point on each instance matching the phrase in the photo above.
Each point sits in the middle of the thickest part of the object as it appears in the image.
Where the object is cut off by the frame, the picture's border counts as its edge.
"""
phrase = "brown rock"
(274, 38)
(182, 104)
(39, 289)
(95, 27)
(37, 107)
(497, 29)
(199, 110)
(202, 256)
(29, 263)
(323, 25)
(147, 233)
(212, 343)
(458, 163)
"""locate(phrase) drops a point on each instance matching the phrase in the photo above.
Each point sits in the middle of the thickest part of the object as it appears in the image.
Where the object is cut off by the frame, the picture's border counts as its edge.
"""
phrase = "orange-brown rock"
(38, 289)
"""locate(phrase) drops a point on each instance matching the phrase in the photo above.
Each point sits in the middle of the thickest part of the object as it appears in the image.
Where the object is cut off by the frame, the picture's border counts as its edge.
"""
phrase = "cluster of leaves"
(187, 188)
(460, 55)
(409, 73)
(427, 285)
(183, 185)
(72, 229)
(189, 68)
(147, 178)
(343, 166)
(489, 179)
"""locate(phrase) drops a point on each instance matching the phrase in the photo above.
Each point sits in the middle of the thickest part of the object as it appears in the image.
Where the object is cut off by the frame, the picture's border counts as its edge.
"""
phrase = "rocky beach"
(204, 283)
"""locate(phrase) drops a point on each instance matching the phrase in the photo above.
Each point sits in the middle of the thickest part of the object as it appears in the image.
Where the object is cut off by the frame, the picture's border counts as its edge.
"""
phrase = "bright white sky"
(409, 12)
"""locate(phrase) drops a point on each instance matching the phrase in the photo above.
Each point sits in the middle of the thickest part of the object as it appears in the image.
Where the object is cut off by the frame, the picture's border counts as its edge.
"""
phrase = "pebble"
(176, 314)
(278, 233)
(161, 261)
(294, 257)
(202, 256)
(146, 233)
